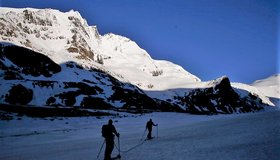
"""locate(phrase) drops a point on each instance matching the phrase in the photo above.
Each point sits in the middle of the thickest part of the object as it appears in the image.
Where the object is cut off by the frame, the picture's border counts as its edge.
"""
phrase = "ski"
(118, 157)
(147, 139)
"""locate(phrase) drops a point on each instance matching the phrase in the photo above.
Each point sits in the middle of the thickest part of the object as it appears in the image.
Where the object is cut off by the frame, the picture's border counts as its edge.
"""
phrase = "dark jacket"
(108, 131)
(150, 125)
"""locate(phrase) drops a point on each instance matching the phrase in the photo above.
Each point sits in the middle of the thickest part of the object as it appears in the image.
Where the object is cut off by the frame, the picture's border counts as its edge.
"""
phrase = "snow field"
(180, 136)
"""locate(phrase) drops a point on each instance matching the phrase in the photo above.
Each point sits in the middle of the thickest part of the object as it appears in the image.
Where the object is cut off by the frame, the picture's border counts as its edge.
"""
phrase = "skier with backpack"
(108, 132)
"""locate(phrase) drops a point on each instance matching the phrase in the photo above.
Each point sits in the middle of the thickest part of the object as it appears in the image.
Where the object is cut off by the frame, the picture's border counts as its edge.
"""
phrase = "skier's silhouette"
(149, 126)
(108, 132)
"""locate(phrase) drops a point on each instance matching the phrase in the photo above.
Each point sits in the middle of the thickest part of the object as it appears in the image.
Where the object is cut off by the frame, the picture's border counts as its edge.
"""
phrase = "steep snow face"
(125, 57)
(269, 86)
(67, 37)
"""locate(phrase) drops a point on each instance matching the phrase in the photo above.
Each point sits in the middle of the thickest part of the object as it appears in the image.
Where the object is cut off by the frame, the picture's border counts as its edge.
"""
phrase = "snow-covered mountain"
(66, 36)
(50, 58)
(269, 86)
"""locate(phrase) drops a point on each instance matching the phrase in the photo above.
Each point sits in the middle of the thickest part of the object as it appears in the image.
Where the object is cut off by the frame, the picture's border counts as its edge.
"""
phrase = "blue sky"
(209, 38)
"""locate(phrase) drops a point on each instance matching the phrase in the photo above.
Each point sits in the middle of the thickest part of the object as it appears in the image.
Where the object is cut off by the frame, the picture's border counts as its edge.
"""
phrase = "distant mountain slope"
(70, 64)
(269, 86)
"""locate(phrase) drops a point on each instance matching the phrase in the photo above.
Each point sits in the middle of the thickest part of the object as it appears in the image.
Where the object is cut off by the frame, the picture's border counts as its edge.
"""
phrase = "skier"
(149, 126)
(108, 132)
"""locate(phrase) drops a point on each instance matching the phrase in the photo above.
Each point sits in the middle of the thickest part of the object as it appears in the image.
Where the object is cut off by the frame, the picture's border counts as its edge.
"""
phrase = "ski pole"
(119, 145)
(157, 131)
(100, 149)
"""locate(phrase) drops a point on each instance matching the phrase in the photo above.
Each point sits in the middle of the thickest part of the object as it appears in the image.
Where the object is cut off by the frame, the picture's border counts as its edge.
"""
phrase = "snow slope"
(242, 89)
(269, 86)
(178, 137)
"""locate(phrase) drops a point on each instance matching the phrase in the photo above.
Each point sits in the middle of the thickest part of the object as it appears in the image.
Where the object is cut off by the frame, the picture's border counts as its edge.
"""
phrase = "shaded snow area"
(179, 136)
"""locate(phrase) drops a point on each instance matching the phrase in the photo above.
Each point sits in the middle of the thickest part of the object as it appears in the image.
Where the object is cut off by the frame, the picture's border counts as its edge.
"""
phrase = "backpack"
(104, 131)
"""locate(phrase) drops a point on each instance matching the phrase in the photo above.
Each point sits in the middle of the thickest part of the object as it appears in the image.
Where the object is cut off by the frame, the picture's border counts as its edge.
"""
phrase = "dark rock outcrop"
(221, 98)
(27, 62)
(19, 94)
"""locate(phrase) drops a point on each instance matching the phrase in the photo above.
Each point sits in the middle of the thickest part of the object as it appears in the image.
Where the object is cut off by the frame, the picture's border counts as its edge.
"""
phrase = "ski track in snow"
(180, 136)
